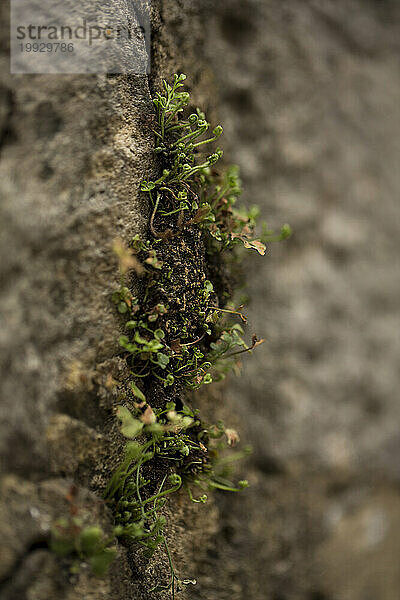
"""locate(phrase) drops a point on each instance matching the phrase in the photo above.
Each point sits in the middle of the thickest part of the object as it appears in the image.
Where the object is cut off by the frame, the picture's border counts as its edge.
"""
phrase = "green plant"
(189, 196)
(70, 537)
(176, 441)
(183, 330)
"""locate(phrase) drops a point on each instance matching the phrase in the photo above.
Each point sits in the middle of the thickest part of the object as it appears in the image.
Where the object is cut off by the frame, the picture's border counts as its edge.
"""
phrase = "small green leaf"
(132, 450)
(137, 392)
(286, 231)
(90, 539)
(169, 380)
(186, 410)
(130, 427)
(139, 339)
(100, 562)
(118, 530)
(162, 360)
(154, 428)
(147, 186)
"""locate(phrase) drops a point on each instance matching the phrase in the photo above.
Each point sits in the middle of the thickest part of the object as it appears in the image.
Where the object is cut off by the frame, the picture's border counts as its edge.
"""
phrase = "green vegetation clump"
(70, 538)
(73, 538)
(182, 331)
(176, 330)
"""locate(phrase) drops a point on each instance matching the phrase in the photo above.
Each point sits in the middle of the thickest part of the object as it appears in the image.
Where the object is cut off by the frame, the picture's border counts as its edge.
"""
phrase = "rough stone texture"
(73, 151)
(309, 96)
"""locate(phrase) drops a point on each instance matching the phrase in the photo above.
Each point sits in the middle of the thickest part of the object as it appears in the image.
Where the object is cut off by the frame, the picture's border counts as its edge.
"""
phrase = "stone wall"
(309, 96)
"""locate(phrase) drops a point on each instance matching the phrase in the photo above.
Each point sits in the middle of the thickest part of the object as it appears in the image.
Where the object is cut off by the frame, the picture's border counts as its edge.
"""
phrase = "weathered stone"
(308, 94)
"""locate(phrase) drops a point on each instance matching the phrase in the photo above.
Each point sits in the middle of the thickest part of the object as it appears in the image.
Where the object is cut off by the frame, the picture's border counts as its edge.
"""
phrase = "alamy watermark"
(80, 36)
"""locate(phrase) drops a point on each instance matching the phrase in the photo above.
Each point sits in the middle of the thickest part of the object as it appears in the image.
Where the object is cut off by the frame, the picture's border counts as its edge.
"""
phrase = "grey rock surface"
(309, 96)
(73, 151)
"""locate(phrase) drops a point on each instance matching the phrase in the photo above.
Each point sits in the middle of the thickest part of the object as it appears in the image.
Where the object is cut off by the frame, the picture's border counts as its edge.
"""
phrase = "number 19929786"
(47, 47)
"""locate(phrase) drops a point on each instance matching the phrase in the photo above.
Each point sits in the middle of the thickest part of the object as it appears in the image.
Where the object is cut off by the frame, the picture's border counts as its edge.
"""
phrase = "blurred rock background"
(309, 96)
